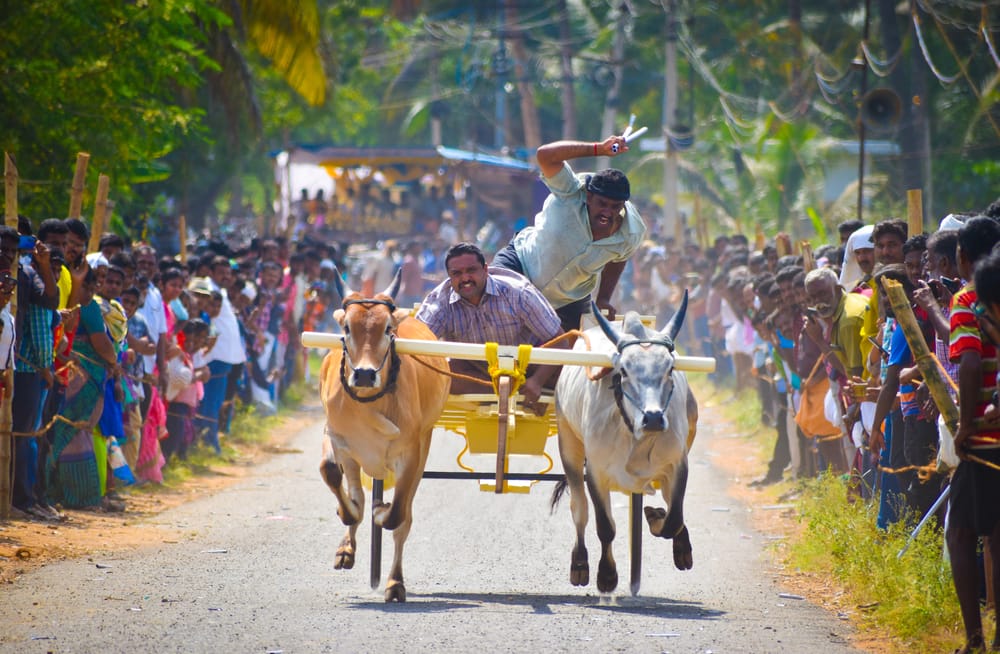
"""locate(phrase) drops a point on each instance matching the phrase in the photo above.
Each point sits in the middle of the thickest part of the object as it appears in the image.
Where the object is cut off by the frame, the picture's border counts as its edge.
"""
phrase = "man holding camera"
(37, 301)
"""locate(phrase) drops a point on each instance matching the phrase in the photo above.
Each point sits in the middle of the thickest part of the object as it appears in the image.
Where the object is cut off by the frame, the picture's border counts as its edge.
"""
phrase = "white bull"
(627, 431)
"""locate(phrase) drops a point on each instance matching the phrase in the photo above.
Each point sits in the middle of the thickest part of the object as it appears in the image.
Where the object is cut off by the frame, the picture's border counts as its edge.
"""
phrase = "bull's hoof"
(682, 550)
(579, 573)
(344, 559)
(395, 591)
(656, 518)
(607, 576)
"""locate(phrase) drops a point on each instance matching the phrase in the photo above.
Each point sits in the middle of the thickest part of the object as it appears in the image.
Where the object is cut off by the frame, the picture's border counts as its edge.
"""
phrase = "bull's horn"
(394, 286)
(606, 327)
(674, 324)
(338, 283)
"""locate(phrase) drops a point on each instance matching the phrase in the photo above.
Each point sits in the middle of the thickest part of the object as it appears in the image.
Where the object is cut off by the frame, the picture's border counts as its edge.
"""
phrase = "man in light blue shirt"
(586, 231)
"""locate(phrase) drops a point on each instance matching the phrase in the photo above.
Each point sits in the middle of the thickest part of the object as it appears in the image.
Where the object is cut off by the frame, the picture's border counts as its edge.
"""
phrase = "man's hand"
(42, 256)
(47, 378)
(961, 438)
(532, 390)
(876, 442)
(606, 305)
(924, 296)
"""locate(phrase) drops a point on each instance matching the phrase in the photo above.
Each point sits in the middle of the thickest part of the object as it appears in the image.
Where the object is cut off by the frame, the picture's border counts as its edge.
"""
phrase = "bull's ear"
(606, 326)
(338, 315)
(400, 314)
(674, 324)
(394, 286)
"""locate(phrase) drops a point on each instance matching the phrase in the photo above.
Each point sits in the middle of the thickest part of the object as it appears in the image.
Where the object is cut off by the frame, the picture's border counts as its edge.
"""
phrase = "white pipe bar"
(636, 134)
(477, 352)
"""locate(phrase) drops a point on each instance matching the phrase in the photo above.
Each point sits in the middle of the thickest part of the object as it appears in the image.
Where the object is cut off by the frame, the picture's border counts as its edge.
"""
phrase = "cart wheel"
(376, 548)
(635, 541)
(503, 394)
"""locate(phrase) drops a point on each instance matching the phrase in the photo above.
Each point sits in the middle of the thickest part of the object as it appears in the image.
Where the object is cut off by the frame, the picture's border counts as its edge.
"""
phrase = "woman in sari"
(71, 465)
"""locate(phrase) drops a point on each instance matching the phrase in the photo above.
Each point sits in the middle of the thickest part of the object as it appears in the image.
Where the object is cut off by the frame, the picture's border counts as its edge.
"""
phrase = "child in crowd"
(182, 388)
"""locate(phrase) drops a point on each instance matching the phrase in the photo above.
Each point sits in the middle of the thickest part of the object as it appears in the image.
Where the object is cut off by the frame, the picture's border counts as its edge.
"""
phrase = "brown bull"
(380, 411)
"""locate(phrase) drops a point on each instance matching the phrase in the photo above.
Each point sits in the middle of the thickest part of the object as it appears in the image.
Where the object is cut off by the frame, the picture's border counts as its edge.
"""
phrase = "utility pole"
(669, 226)
(500, 67)
(860, 121)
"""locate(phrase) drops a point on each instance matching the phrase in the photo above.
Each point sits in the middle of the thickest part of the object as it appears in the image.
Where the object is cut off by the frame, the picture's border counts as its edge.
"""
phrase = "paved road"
(484, 573)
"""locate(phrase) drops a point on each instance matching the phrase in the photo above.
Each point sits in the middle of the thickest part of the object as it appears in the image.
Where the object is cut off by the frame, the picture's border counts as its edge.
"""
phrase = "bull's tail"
(557, 494)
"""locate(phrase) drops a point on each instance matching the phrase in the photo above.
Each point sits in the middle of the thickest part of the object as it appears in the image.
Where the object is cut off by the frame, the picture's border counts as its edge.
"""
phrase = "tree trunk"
(6, 402)
(529, 109)
(913, 135)
(613, 102)
(567, 82)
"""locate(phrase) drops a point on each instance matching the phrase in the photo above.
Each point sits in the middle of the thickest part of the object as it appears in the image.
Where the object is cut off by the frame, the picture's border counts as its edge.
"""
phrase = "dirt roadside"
(772, 512)
(27, 544)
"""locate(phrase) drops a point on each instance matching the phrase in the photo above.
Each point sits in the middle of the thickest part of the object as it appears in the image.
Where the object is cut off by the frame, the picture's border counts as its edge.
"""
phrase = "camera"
(26, 243)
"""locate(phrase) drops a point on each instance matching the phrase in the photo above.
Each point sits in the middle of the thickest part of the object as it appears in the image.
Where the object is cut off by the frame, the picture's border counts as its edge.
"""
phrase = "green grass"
(910, 598)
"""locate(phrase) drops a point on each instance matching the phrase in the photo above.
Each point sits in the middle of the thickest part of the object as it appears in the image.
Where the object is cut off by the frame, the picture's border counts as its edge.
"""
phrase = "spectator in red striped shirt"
(973, 509)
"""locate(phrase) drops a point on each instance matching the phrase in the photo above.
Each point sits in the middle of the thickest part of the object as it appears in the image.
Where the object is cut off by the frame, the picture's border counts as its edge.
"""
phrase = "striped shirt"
(966, 337)
(511, 312)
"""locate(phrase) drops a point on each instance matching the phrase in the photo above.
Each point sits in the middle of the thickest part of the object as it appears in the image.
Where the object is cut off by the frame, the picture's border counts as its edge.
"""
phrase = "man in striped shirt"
(973, 509)
(481, 305)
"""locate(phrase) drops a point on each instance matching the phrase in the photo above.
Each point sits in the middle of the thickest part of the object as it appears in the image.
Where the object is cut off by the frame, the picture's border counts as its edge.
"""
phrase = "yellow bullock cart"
(497, 424)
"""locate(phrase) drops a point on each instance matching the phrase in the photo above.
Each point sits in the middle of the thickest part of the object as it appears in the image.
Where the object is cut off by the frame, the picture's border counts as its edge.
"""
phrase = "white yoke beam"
(477, 352)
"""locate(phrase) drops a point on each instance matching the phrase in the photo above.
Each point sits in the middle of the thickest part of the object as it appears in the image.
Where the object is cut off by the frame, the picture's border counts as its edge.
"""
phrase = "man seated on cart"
(477, 304)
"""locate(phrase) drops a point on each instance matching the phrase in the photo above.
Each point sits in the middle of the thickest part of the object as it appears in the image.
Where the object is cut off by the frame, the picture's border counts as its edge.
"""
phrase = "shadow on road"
(543, 604)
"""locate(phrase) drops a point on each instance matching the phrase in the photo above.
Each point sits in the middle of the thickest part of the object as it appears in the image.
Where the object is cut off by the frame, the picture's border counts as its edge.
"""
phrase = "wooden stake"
(79, 183)
(915, 211)
(6, 416)
(182, 227)
(808, 260)
(100, 213)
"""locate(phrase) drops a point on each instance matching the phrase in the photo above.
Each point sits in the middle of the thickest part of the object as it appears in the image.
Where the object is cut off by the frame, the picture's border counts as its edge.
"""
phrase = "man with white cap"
(859, 259)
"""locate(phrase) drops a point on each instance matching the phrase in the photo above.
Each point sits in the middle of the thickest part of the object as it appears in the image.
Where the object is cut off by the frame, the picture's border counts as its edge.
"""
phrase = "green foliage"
(912, 595)
(101, 77)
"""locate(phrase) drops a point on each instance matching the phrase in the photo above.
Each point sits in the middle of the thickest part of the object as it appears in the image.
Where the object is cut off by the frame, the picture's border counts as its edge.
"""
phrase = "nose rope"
(621, 395)
(390, 384)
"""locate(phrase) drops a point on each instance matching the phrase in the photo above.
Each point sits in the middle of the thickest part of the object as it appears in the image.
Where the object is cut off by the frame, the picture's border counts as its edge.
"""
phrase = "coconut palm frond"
(287, 33)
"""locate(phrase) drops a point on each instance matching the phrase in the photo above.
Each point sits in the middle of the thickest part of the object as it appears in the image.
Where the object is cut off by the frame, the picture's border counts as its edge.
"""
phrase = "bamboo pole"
(182, 227)
(808, 260)
(933, 376)
(100, 213)
(915, 211)
(79, 183)
(6, 416)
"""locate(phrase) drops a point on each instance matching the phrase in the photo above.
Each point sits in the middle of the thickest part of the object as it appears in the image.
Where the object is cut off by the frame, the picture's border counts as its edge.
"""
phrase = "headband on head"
(615, 188)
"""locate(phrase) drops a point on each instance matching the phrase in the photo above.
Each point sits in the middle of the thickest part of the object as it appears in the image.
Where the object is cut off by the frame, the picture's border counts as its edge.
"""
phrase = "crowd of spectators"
(837, 378)
(124, 360)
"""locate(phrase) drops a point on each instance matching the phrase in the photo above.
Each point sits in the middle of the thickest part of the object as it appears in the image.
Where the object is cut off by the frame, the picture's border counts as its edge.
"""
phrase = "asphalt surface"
(484, 573)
